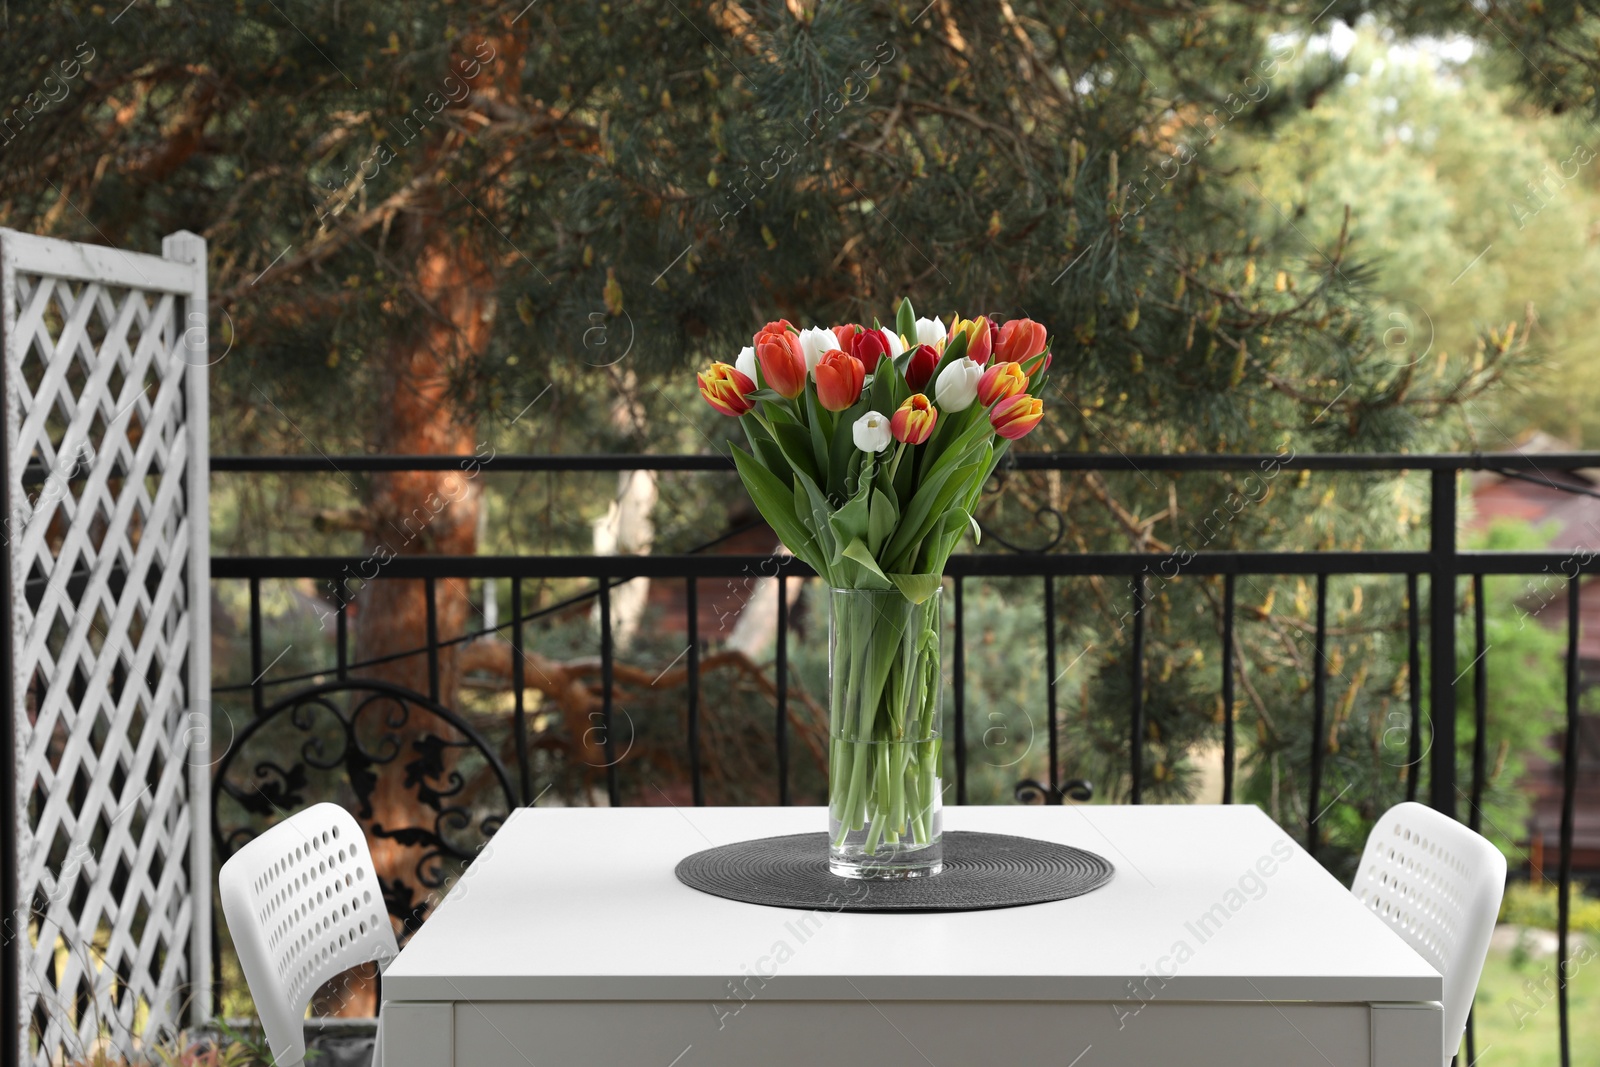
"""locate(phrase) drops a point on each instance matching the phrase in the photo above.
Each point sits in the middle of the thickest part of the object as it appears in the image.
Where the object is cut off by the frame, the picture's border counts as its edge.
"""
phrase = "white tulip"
(931, 332)
(814, 342)
(892, 339)
(871, 432)
(957, 386)
(746, 363)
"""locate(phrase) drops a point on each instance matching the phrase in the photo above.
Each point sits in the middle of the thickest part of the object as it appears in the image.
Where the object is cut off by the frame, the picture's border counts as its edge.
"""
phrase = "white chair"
(1439, 885)
(303, 904)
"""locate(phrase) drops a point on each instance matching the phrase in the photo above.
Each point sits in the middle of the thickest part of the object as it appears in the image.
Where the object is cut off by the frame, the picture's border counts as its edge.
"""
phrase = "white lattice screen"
(108, 644)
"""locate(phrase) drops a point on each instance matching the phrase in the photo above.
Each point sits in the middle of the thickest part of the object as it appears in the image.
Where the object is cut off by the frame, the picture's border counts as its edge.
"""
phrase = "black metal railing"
(1442, 562)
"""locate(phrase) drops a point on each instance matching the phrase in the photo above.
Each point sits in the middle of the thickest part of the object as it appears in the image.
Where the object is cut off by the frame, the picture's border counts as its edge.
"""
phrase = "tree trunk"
(424, 512)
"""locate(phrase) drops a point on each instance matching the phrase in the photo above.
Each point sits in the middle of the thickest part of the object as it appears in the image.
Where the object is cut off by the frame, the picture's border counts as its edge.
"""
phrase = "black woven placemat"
(980, 871)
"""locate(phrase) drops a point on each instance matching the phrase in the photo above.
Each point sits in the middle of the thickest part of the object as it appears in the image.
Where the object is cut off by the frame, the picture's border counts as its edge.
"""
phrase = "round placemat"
(980, 871)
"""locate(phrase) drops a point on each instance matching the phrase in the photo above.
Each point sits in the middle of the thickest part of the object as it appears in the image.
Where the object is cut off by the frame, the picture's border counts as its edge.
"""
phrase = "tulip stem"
(894, 464)
(885, 696)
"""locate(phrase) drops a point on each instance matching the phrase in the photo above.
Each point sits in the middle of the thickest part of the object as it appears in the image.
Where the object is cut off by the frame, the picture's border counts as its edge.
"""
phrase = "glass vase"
(885, 695)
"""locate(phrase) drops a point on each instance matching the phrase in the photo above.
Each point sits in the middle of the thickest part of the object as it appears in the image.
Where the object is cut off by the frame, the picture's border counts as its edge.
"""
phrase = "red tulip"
(913, 420)
(1020, 339)
(839, 379)
(727, 389)
(783, 365)
(1016, 416)
(869, 346)
(919, 368)
(1001, 381)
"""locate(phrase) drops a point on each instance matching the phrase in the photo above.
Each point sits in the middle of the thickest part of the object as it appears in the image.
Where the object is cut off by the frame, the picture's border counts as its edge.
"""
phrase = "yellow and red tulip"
(1020, 339)
(1015, 416)
(913, 420)
(979, 341)
(839, 379)
(783, 364)
(1001, 381)
(727, 389)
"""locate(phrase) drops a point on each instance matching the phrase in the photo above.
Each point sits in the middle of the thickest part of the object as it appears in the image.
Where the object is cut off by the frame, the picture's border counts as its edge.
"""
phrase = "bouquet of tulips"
(868, 449)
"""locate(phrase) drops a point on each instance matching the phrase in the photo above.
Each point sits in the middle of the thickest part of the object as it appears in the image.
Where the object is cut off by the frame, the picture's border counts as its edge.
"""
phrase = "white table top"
(582, 904)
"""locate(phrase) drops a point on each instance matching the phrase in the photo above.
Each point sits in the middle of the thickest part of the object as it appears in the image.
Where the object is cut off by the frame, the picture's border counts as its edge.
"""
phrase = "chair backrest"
(1438, 884)
(303, 904)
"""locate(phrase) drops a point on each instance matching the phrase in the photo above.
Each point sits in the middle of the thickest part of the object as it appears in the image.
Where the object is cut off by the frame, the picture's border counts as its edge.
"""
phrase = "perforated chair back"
(303, 904)
(1438, 884)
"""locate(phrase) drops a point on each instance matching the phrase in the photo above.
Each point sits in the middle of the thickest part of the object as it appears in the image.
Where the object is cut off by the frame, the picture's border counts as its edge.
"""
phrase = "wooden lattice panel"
(105, 452)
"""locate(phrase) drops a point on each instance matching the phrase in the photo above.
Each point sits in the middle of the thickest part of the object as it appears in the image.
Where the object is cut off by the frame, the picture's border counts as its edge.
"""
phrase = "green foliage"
(1537, 906)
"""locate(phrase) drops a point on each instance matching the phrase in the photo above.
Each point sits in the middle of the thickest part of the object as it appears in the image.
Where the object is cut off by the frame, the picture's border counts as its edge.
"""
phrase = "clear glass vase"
(885, 695)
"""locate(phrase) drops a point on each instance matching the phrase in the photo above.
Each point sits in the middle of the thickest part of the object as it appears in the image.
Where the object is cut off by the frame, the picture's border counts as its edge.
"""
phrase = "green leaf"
(857, 551)
(882, 388)
(813, 511)
(818, 419)
(776, 505)
(936, 547)
(931, 502)
(881, 520)
(850, 522)
(905, 322)
(795, 440)
(917, 587)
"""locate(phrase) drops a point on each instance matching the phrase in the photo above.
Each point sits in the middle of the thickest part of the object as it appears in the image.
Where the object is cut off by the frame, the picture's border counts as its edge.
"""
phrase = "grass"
(1516, 1016)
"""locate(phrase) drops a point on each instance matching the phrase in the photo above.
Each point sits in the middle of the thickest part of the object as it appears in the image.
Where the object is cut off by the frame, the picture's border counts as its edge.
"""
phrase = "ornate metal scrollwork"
(347, 733)
(1032, 791)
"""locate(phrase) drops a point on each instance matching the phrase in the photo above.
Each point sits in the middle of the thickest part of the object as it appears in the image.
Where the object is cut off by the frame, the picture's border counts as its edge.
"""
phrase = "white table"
(569, 943)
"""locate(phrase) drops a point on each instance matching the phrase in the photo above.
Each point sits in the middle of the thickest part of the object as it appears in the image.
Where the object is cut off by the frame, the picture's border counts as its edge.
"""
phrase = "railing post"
(1442, 641)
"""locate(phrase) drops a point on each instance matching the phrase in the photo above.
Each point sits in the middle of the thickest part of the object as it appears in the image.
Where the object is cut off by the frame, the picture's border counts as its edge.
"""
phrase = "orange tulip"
(727, 389)
(783, 364)
(1000, 381)
(913, 420)
(1016, 416)
(839, 378)
(1020, 339)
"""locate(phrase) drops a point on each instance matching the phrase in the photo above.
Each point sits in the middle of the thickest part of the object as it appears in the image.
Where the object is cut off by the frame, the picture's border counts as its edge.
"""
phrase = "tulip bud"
(727, 389)
(998, 382)
(746, 362)
(783, 367)
(869, 347)
(1016, 416)
(897, 347)
(871, 432)
(1020, 339)
(913, 420)
(931, 332)
(814, 342)
(839, 379)
(957, 386)
(919, 368)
